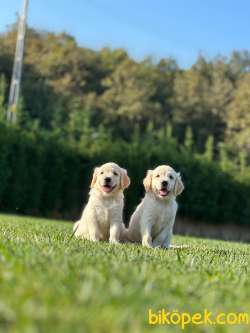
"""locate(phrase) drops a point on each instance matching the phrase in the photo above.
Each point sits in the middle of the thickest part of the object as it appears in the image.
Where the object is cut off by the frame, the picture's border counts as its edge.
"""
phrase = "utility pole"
(18, 64)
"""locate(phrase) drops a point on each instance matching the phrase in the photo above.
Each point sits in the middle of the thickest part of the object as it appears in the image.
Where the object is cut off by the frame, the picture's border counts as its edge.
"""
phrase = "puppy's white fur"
(153, 220)
(102, 217)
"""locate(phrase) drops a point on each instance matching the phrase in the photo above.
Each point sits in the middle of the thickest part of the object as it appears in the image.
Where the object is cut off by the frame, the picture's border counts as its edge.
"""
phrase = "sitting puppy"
(153, 220)
(102, 217)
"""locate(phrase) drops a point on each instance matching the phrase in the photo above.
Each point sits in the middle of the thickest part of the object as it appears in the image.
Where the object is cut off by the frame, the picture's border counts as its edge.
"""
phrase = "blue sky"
(157, 28)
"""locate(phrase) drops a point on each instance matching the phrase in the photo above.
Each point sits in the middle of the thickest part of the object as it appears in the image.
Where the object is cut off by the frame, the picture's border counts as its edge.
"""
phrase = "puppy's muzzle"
(163, 192)
(107, 180)
(107, 187)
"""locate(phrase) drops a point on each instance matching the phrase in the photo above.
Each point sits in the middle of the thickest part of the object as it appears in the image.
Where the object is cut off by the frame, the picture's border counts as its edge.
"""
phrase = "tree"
(127, 99)
(2, 98)
(238, 118)
(209, 148)
(189, 139)
(202, 95)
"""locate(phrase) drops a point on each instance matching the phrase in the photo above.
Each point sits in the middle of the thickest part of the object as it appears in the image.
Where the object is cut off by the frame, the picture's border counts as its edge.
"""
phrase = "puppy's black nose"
(107, 179)
(164, 183)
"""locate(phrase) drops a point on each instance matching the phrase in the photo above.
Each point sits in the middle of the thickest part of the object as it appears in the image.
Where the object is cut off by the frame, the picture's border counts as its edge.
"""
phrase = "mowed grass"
(50, 282)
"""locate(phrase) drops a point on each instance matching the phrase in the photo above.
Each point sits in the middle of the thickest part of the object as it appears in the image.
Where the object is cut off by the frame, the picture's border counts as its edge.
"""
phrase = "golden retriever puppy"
(102, 217)
(153, 220)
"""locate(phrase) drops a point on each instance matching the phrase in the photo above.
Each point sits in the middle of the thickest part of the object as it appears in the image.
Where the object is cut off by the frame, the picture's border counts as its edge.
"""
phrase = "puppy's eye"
(101, 172)
(115, 173)
(171, 176)
(157, 176)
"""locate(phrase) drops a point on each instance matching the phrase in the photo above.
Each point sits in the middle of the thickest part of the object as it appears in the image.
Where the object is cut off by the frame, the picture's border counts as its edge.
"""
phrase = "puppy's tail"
(75, 227)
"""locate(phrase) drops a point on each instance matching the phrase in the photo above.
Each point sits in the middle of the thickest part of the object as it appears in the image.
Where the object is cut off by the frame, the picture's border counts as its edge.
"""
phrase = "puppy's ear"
(94, 178)
(147, 182)
(178, 186)
(125, 180)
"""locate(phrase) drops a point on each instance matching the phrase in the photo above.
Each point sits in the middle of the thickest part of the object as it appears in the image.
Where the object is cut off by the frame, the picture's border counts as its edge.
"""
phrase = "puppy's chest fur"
(106, 209)
(162, 214)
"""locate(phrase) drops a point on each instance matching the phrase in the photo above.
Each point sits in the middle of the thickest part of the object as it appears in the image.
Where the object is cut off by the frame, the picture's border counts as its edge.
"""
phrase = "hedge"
(40, 175)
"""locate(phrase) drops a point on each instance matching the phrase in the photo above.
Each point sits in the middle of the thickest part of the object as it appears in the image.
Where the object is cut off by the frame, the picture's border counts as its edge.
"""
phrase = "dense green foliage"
(50, 282)
(81, 108)
(40, 174)
(73, 90)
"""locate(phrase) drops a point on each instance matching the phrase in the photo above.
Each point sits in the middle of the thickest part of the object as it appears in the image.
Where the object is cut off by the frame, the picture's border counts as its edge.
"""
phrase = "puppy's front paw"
(95, 237)
(147, 241)
(113, 241)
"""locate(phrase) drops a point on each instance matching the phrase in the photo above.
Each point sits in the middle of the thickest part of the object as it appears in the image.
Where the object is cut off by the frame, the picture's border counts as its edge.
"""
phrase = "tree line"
(81, 92)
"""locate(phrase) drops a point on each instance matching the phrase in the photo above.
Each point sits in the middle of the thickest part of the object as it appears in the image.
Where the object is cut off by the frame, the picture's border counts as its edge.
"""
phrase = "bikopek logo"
(182, 319)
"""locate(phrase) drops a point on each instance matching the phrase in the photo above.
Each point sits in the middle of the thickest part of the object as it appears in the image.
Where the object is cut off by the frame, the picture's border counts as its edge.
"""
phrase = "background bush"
(41, 175)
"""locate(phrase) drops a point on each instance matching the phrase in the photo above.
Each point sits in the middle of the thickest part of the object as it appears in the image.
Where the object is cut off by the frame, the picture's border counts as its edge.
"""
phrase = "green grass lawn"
(50, 282)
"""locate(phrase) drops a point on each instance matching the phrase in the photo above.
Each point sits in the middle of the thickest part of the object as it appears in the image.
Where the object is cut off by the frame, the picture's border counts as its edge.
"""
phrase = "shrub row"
(41, 176)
